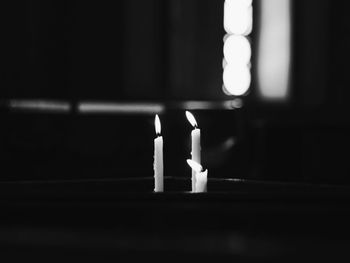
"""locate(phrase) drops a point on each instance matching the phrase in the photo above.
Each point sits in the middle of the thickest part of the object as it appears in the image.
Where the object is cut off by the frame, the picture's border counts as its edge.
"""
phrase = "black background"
(167, 51)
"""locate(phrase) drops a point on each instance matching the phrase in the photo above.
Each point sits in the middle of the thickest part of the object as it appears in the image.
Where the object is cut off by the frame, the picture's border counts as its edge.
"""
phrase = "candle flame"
(191, 119)
(195, 166)
(157, 125)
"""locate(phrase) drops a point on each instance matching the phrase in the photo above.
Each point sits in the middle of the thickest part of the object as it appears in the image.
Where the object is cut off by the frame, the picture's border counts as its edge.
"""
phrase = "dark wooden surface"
(109, 220)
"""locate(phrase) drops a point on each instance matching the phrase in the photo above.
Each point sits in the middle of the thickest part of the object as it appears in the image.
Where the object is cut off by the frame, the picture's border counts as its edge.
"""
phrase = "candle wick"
(196, 126)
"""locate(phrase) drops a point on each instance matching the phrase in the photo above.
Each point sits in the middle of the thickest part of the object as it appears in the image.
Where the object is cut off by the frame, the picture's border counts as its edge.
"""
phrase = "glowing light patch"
(120, 108)
(237, 80)
(244, 3)
(40, 106)
(238, 20)
(274, 51)
(238, 23)
(237, 50)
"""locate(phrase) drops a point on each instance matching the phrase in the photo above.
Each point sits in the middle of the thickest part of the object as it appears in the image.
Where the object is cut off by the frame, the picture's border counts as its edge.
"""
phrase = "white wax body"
(158, 165)
(201, 182)
(196, 153)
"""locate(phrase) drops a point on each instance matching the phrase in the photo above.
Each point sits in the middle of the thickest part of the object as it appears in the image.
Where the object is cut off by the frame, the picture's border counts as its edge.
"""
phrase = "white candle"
(158, 158)
(195, 145)
(201, 177)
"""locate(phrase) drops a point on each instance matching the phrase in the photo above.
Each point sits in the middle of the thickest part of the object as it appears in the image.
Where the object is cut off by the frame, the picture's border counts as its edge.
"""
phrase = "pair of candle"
(199, 177)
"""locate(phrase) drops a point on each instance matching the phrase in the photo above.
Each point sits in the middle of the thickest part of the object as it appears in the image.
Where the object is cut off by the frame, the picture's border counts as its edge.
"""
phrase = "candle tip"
(191, 119)
(195, 166)
(157, 125)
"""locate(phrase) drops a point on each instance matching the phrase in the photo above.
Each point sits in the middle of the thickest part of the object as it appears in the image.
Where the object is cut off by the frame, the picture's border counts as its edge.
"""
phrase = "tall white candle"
(195, 145)
(201, 177)
(158, 165)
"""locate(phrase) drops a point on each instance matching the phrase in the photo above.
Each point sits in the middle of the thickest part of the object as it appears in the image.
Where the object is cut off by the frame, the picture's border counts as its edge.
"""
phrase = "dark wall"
(125, 50)
(120, 51)
(307, 138)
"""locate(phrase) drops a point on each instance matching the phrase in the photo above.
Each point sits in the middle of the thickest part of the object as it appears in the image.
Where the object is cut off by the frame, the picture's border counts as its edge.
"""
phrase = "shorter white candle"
(158, 158)
(195, 144)
(201, 177)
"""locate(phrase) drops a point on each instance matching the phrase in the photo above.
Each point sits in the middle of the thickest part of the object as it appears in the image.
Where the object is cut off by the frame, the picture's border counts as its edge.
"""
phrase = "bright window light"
(238, 23)
(237, 79)
(274, 51)
(237, 50)
(238, 19)
(240, 2)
